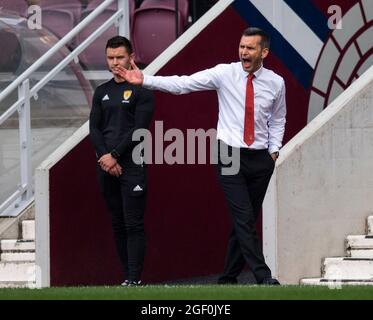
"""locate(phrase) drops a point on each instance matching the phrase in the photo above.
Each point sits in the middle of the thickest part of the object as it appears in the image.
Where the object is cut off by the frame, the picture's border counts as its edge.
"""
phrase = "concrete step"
(17, 257)
(360, 253)
(17, 245)
(359, 246)
(17, 284)
(348, 268)
(17, 271)
(28, 229)
(10, 226)
(359, 242)
(370, 225)
(334, 283)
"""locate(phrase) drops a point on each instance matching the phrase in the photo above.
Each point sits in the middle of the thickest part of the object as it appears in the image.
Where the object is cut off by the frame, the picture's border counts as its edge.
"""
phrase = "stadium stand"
(94, 56)
(183, 7)
(73, 6)
(59, 21)
(154, 27)
(15, 6)
(10, 55)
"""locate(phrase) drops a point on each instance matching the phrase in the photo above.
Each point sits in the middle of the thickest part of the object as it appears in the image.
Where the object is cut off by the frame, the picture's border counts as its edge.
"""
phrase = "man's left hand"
(274, 156)
(107, 162)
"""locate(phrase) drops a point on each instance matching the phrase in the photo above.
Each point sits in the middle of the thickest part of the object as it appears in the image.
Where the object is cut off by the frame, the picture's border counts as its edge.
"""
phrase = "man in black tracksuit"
(119, 108)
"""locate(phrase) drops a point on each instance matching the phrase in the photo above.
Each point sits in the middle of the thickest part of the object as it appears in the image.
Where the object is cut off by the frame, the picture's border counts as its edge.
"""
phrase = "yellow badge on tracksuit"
(127, 94)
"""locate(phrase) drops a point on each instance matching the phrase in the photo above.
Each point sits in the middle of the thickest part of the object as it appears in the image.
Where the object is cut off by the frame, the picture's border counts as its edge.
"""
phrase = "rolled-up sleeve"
(276, 123)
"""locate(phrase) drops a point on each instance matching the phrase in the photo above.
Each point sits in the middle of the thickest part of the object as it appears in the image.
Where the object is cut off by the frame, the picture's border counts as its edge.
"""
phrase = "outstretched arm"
(208, 79)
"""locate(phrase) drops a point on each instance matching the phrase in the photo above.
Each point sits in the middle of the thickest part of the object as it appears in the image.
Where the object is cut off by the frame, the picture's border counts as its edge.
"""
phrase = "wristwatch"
(115, 154)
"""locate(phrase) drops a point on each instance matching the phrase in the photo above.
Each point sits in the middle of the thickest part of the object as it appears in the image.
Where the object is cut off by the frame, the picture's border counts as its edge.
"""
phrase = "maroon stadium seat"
(74, 6)
(94, 55)
(154, 28)
(95, 3)
(11, 54)
(183, 7)
(15, 6)
(58, 21)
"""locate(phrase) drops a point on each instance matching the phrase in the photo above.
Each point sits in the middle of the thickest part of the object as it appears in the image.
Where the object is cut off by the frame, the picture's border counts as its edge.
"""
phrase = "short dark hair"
(265, 38)
(119, 41)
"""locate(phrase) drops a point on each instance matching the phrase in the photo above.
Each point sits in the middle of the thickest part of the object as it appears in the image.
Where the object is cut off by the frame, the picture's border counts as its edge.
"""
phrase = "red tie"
(249, 135)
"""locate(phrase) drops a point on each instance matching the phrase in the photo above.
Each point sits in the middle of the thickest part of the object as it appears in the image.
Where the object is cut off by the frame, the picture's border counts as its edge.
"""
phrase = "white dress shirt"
(229, 81)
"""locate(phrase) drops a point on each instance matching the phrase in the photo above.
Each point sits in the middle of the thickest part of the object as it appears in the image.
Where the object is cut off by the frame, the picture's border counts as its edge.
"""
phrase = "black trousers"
(125, 198)
(244, 193)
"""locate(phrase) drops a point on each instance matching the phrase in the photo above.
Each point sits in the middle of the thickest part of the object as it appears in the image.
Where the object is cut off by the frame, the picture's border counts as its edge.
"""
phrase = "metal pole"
(25, 139)
(177, 17)
(124, 20)
(194, 11)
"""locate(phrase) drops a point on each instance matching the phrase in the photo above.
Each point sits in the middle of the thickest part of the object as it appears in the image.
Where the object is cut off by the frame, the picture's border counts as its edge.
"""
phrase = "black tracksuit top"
(118, 109)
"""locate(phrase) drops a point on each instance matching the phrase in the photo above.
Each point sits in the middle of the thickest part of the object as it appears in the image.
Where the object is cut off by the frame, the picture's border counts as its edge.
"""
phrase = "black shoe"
(270, 282)
(227, 280)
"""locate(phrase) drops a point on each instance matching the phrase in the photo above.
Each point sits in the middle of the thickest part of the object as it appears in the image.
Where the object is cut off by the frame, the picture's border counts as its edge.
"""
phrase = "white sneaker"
(125, 283)
(128, 283)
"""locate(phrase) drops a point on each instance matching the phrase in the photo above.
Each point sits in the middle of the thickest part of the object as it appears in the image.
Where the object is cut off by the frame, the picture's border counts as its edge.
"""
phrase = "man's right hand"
(134, 76)
(115, 171)
(107, 162)
(110, 165)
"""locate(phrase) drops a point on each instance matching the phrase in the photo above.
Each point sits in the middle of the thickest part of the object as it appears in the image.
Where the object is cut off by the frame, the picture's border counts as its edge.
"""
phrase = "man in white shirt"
(252, 112)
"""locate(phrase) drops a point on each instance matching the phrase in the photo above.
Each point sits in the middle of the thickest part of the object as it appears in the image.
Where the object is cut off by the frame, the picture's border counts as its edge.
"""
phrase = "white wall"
(322, 188)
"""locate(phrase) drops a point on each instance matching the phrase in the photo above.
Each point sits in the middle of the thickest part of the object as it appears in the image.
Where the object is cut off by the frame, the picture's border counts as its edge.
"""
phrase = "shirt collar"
(257, 73)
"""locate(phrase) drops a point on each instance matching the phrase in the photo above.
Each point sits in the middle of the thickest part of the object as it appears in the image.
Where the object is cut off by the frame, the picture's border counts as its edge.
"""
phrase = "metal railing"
(24, 193)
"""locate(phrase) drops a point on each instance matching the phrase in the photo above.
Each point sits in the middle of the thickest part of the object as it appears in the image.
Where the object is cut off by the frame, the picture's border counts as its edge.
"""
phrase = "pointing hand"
(134, 76)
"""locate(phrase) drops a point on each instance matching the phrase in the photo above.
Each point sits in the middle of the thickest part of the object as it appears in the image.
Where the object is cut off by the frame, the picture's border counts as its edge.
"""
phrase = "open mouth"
(246, 61)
